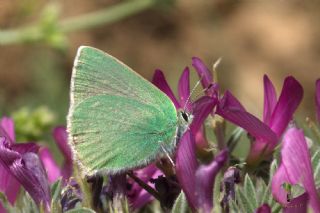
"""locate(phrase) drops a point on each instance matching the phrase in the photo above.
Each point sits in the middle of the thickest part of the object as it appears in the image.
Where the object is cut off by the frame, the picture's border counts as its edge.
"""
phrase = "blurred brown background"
(256, 37)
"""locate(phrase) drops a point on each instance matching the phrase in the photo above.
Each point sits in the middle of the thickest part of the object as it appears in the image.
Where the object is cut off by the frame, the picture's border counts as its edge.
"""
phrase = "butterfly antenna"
(167, 154)
(214, 67)
(192, 91)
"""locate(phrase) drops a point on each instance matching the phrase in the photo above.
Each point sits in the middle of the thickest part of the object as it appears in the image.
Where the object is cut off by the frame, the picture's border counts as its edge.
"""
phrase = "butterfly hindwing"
(117, 120)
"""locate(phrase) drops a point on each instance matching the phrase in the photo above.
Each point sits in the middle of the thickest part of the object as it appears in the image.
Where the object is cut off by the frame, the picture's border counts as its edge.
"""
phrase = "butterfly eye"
(185, 116)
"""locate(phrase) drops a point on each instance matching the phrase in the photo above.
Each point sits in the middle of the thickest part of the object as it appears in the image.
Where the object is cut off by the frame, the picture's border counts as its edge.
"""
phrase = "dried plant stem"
(84, 186)
(106, 16)
(145, 186)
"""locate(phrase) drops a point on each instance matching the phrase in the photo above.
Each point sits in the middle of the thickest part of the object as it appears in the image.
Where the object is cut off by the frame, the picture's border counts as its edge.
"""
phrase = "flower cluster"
(192, 180)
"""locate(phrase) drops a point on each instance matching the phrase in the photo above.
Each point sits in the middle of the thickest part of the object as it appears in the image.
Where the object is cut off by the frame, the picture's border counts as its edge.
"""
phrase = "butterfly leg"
(167, 154)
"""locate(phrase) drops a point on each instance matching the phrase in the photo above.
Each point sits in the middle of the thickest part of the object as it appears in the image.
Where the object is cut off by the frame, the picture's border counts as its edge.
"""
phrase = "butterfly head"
(184, 118)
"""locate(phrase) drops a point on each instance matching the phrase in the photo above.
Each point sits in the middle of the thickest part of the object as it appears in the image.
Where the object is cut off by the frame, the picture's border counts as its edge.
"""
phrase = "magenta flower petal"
(8, 184)
(139, 197)
(186, 166)
(7, 128)
(201, 109)
(295, 167)
(53, 170)
(318, 99)
(265, 208)
(25, 166)
(61, 137)
(297, 205)
(160, 81)
(205, 176)
(229, 101)
(201, 140)
(23, 148)
(204, 73)
(270, 99)
(231, 109)
(31, 174)
(289, 100)
(184, 89)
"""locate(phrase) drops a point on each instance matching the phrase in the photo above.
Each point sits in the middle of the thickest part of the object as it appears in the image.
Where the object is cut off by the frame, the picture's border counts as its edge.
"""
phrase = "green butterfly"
(118, 120)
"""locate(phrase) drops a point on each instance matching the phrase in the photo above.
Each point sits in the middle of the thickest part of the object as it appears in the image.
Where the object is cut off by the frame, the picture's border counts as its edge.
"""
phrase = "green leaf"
(244, 202)
(316, 167)
(25, 204)
(273, 169)
(250, 191)
(56, 194)
(261, 189)
(234, 138)
(251, 196)
(315, 158)
(80, 210)
(217, 193)
(180, 204)
(234, 207)
(5, 203)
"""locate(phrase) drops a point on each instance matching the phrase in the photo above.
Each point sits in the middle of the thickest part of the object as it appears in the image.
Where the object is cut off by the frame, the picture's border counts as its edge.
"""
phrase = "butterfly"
(118, 120)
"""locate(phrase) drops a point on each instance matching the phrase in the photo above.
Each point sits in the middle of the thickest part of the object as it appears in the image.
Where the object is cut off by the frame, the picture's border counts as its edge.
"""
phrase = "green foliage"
(81, 210)
(252, 194)
(23, 204)
(49, 26)
(315, 160)
(180, 204)
(56, 196)
(30, 125)
(5, 203)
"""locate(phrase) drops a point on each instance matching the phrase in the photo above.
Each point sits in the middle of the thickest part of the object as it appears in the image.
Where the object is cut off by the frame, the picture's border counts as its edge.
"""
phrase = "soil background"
(253, 37)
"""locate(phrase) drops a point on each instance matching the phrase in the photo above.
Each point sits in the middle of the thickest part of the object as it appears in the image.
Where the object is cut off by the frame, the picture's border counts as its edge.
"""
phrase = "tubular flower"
(139, 197)
(276, 117)
(295, 168)
(53, 170)
(200, 108)
(197, 180)
(192, 176)
(22, 166)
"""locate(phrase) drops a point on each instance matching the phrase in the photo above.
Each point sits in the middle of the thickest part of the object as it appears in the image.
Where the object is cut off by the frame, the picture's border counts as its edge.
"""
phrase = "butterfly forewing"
(117, 120)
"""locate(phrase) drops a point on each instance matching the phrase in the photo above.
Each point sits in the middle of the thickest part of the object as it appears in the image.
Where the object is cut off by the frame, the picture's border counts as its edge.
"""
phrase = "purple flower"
(295, 168)
(318, 99)
(265, 208)
(297, 205)
(183, 88)
(200, 109)
(50, 165)
(230, 178)
(197, 180)
(276, 117)
(139, 197)
(8, 184)
(22, 165)
(53, 170)
(207, 81)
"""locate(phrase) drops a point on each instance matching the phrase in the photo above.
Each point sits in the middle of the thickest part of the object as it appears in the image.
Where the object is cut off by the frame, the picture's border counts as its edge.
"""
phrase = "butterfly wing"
(117, 120)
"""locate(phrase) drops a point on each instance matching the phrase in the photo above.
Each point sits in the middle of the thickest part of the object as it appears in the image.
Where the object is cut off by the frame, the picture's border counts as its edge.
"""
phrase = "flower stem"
(145, 186)
(84, 186)
(105, 16)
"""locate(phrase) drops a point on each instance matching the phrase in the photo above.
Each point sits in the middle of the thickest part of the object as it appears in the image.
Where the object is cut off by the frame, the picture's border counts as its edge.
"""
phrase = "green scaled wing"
(117, 120)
